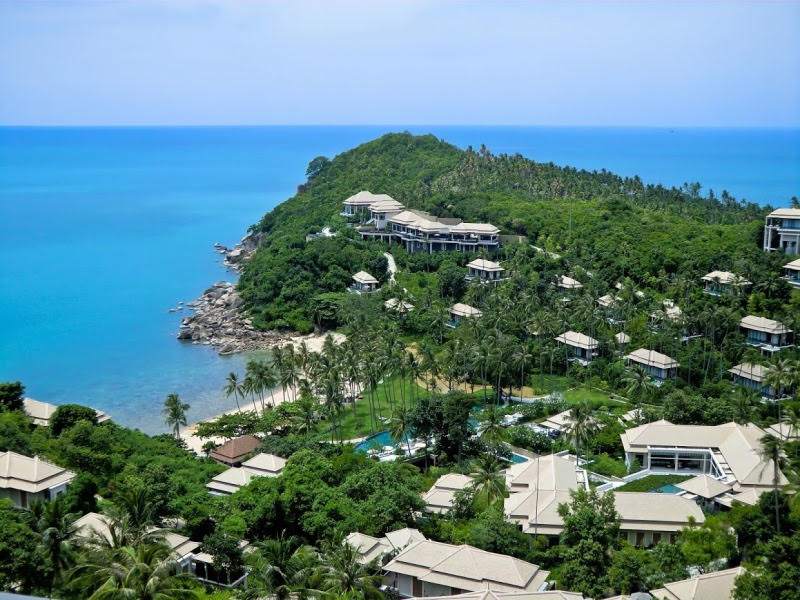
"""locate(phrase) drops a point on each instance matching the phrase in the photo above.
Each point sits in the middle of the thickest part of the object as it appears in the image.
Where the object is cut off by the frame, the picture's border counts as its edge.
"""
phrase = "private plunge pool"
(377, 442)
(667, 489)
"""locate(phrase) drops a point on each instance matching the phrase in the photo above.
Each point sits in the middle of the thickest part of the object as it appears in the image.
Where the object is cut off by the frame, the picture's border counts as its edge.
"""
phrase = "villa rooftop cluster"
(418, 231)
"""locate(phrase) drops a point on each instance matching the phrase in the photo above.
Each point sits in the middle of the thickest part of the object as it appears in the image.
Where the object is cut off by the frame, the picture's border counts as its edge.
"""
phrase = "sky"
(221, 62)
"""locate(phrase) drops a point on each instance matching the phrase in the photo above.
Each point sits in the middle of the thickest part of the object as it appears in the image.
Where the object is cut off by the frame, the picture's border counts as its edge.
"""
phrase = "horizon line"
(487, 125)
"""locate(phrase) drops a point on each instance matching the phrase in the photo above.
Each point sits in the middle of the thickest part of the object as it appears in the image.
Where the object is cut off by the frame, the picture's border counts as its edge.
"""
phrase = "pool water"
(667, 489)
(518, 458)
(384, 438)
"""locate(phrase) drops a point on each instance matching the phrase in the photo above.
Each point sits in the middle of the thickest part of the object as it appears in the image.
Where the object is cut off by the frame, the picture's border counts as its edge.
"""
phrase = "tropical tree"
(344, 576)
(280, 568)
(488, 478)
(492, 424)
(773, 452)
(779, 376)
(56, 528)
(175, 413)
(233, 387)
(401, 427)
(638, 383)
(144, 572)
(581, 426)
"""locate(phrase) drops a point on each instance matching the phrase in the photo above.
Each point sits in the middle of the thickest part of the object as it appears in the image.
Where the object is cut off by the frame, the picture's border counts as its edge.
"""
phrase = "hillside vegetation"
(597, 220)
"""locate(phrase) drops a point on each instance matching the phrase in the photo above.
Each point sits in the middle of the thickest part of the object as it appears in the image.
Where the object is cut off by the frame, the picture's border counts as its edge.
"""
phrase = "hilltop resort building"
(427, 568)
(233, 452)
(371, 548)
(460, 312)
(417, 230)
(717, 283)
(728, 454)
(782, 231)
(439, 499)
(485, 271)
(792, 273)
(260, 465)
(25, 479)
(581, 348)
(765, 334)
(40, 412)
(752, 376)
(364, 283)
(660, 366)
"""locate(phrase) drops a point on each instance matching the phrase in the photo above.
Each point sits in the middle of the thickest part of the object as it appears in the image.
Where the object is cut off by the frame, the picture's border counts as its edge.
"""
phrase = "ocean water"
(102, 230)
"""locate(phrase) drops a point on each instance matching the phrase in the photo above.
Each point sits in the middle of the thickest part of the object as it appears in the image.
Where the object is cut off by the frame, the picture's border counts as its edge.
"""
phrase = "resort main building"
(418, 231)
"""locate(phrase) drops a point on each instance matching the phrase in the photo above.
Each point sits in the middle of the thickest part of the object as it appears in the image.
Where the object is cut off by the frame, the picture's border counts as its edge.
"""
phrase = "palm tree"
(488, 478)
(144, 572)
(175, 413)
(791, 418)
(639, 383)
(492, 424)
(743, 402)
(581, 426)
(344, 576)
(401, 427)
(56, 528)
(134, 507)
(520, 357)
(280, 568)
(779, 376)
(233, 388)
(772, 451)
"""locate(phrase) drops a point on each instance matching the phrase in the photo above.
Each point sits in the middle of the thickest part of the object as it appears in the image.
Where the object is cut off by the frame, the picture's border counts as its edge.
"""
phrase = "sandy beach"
(314, 343)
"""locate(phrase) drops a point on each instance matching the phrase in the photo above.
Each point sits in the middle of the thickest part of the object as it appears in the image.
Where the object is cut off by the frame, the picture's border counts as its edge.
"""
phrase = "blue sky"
(208, 62)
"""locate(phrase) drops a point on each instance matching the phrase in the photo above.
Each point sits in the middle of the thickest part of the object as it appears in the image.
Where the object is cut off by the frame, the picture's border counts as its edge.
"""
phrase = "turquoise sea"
(103, 229)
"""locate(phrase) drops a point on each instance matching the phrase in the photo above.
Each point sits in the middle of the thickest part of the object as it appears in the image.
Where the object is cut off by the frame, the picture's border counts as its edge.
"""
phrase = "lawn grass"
(652, 482)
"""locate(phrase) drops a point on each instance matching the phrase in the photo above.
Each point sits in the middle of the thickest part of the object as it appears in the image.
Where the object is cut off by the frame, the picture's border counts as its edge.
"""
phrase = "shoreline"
(314, 341)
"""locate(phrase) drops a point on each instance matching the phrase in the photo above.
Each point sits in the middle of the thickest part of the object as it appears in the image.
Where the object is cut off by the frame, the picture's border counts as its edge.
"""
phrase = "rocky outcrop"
(217, 321)
(238, 255)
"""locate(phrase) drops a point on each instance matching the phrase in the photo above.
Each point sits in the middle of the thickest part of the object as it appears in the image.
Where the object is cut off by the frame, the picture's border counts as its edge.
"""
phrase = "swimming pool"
(384, 438)
(667, 489)
(518, 458)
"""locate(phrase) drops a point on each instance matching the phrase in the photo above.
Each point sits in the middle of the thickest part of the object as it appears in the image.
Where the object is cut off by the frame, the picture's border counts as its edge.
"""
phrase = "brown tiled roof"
(236, 449)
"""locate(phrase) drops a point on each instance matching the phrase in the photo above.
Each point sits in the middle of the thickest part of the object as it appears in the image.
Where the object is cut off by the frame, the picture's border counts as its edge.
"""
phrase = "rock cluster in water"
(218, 320)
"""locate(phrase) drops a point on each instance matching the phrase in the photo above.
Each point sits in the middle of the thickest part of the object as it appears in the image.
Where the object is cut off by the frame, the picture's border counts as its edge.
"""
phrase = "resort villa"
(660, 366)
(792, 273)
(752, 376)
(40, 412)
(233, 452)
(669, 312)
(782, 231)
(364, 283)
(767, 335)
(260, 465)
(717, 283)
(492, 595)
(439, 499)
(645, 518)
(568, 284)
(581, 348)
(399, 306)
(95, 525)
(729, 454)
(551, 472)
(717, 585)
(485, 271)
(24, 480)
(359, 204)
(371, 548)
(622, 339)
(460, 312)
(427, 568)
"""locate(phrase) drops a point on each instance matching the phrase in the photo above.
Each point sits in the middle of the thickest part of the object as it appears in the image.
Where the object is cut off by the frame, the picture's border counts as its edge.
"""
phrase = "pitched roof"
(230, 480)
(784, 431)
(41, 412)
(474, 228)
(607, 301)
(550, 472)
(750, 371)
(763, 324)
(465, 310)
(369, 548)
(652, 358)
(577, 340)
(622, 337)
(236, 449)
(400, 538)
(794, 265)
(398, 305)
(704, 486)
(94, 524)
(365, 278)
(492, 595)
(365, 198)
(725, 277)
(264, 464)
(439, 498)
(32, 475)
(418, 220)
(568, 283)
(387, 205)
(791, 213)
(708, 586)
(484, 265)
(739, 445)
(466, 568)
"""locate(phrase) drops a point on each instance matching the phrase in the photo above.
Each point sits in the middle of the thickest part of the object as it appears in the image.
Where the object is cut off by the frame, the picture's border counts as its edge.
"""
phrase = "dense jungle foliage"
(613, 225)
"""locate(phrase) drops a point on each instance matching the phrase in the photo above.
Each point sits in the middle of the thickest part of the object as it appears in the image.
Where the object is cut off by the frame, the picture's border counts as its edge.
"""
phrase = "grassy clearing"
(356, 422)
(652, 482)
